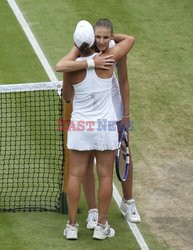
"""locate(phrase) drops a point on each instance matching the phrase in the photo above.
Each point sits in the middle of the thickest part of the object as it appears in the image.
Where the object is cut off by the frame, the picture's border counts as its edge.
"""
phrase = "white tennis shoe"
(102, 232)
(92, 218)
(129, 209)
(71, 231)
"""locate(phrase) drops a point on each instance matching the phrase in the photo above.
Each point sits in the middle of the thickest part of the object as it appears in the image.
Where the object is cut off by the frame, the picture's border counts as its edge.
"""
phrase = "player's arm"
(72, 55)
(68, 63)
(67, 88)
(124, 89)
(124, 43)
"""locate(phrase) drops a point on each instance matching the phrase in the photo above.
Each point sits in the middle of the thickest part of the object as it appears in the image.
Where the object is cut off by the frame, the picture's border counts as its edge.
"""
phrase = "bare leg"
(128, 205)
(78, 166)
(89, 185)
(105, 160)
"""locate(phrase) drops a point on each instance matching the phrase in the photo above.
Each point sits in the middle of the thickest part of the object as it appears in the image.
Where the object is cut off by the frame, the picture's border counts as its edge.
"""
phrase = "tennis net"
(31, 147)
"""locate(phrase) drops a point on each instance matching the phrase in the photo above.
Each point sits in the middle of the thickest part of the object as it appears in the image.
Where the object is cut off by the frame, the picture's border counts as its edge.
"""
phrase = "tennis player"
(92, 104)
(120, 96)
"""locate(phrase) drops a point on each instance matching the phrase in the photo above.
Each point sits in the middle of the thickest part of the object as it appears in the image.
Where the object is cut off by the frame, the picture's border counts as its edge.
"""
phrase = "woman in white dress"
(92, 129)
(120, 97)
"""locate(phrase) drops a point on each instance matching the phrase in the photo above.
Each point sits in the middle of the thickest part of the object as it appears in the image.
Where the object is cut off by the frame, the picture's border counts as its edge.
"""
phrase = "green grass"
(36, 230)
(44, 230)
(160, 72)
(18, 62)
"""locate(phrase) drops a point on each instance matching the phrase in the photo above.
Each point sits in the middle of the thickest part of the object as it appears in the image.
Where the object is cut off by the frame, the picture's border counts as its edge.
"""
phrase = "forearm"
(120, 37)
(125, 96)
(66, 62)
(124, 85)
(123, 46)
(71, 66)
(98, 62)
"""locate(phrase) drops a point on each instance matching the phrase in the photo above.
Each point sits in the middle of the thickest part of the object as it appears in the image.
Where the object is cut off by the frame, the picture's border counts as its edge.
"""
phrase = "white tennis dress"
(116, 98)
(93, 120)
(116, 95)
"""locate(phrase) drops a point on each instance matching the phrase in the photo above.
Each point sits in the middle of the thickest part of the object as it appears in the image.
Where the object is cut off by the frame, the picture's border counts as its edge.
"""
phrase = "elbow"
(131, 40)
(59, 68)
(67, 100)
(67, 94)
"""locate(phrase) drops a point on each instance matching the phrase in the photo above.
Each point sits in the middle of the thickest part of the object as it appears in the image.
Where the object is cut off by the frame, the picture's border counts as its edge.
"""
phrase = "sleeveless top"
(115, 83)
(92, 104)
(116, 95)
(93, 97)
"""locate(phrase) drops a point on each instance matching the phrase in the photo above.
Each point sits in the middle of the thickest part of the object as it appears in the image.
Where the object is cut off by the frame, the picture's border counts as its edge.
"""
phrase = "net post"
(63, 205)
(67, 110)
(32, 156)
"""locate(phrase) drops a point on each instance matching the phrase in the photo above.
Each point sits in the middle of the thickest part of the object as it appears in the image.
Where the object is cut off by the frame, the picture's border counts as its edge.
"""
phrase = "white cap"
(84, 33)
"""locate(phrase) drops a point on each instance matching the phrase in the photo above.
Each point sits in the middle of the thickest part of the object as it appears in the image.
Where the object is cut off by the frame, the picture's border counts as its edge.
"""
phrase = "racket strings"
(122, 157)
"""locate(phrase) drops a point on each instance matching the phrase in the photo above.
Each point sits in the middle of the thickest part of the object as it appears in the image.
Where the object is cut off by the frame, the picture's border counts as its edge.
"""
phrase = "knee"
(105, 172)
(105, 175)
(78, 174)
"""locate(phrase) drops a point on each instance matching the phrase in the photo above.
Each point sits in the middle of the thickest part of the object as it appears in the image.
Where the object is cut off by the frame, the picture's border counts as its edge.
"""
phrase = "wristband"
(126, 116)
(90, 64)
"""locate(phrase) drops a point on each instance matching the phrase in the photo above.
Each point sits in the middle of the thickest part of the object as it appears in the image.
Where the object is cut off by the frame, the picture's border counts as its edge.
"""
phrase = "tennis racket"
(122, 157)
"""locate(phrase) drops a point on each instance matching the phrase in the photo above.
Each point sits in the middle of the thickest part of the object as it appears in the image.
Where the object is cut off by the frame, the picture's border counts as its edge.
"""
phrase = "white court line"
(53, 78)
(133, 226)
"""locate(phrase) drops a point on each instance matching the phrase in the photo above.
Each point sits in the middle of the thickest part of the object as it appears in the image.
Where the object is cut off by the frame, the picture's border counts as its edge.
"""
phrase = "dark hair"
(104, 22)
(85, 49)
